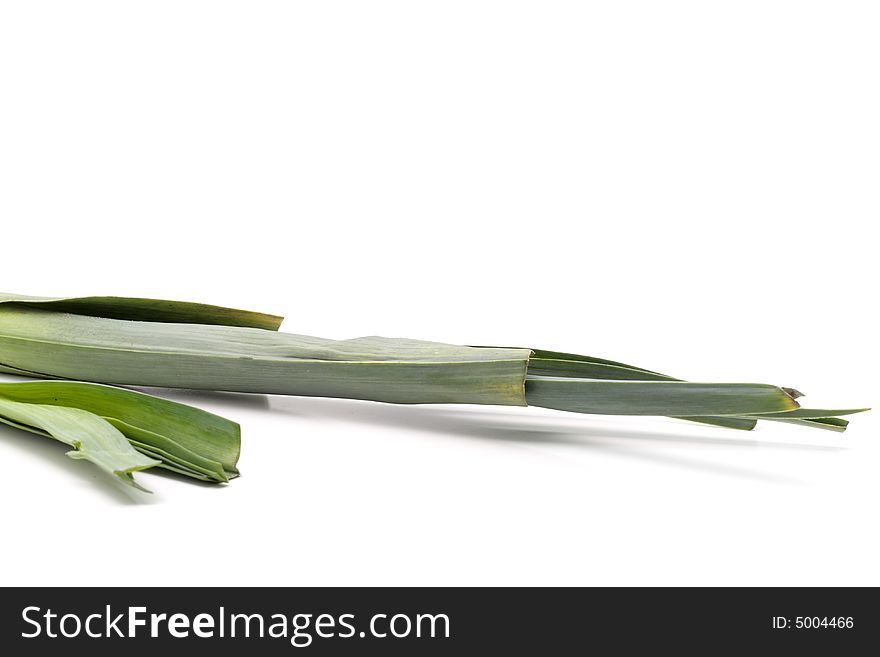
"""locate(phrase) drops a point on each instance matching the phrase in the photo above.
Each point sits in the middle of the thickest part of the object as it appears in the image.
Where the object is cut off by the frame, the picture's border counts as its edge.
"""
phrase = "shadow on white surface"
(579, 432)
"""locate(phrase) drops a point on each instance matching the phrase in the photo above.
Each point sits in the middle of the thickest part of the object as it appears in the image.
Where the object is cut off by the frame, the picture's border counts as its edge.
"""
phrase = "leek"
(121, 341)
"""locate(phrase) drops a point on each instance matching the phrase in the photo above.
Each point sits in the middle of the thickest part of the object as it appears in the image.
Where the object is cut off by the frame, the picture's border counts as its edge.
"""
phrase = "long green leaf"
(555, 363)
(574, 365)
(242, 359)
(656, 397)
(812, 413)
(829, 423)
(147, 310)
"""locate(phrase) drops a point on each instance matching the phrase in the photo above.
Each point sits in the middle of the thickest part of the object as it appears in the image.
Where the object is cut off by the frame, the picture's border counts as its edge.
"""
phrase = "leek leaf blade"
(673, 398)
(92, 438)
(171, 435)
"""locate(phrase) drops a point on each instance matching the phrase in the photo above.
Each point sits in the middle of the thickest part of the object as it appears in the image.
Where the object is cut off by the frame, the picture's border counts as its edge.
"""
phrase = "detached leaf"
(157, 431)
(92, 438)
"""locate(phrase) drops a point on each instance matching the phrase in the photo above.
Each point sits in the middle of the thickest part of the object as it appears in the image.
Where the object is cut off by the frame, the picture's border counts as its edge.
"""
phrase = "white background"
(691, 187)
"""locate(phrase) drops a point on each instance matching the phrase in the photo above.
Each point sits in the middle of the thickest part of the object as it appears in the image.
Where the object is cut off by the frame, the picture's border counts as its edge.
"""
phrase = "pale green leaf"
(92, 438)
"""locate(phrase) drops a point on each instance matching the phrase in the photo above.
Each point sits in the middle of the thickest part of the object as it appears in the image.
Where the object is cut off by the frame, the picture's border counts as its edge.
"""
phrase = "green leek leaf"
(175, 344)
(173, 436)
(656, 397)
(92, 438)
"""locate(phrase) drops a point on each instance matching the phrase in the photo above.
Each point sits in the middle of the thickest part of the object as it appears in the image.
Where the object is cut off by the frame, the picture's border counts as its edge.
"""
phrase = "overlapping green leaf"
(244, 359)
(147, 310)
(558, 364)
(171, 435)
(655, 397)
(92, 438)
(555, 363)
